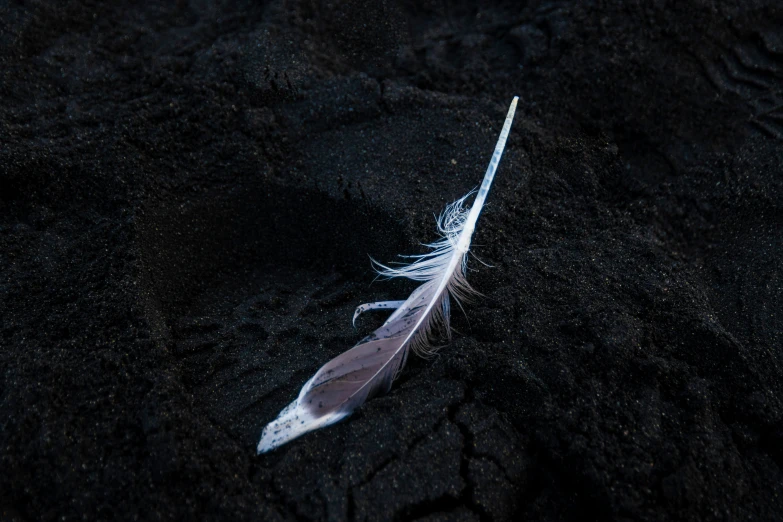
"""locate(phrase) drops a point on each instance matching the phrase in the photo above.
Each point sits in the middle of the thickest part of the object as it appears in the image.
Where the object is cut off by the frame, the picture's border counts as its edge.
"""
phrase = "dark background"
(189, 193)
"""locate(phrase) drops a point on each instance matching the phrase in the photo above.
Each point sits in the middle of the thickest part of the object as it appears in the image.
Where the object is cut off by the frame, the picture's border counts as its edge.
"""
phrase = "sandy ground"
(189, 193)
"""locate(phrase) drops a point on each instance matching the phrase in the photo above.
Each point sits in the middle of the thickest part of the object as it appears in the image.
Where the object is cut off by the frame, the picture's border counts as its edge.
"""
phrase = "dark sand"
(189, 193)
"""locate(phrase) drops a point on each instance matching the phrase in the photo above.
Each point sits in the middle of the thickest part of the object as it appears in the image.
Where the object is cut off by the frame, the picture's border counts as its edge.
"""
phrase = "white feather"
(369, 368)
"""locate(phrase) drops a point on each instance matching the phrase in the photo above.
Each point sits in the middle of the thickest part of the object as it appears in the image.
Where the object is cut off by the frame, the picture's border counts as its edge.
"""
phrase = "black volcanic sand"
(189, 193)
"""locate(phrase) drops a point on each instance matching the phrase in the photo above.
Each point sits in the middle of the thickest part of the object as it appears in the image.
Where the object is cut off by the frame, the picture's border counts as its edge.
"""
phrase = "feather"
(369, 368)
